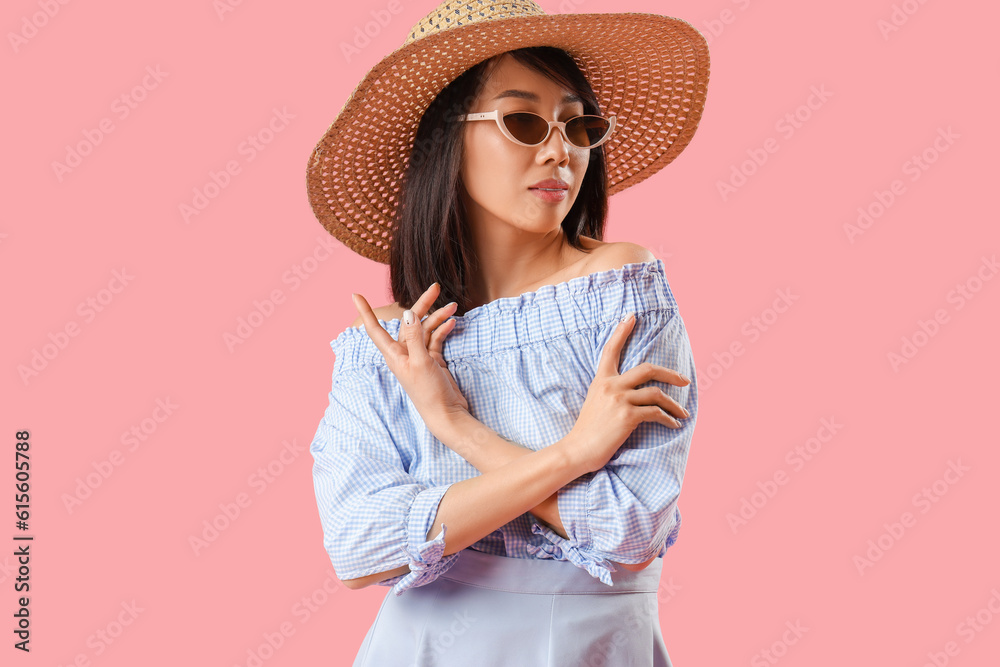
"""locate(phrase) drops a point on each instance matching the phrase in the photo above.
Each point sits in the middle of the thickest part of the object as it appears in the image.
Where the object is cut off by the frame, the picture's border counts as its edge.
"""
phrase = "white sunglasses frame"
(495, 116)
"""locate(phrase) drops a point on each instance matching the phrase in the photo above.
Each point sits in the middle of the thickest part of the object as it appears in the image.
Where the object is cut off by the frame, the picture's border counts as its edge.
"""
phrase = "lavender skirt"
(492, 611)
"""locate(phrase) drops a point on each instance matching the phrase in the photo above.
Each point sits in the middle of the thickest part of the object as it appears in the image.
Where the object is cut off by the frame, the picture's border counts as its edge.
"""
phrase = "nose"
(556, 145)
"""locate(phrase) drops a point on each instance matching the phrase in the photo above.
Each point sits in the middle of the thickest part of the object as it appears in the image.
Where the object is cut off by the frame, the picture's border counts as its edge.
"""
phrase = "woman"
(482, 452)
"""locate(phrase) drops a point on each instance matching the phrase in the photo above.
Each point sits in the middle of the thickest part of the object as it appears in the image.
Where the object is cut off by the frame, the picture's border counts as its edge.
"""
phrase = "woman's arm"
(475, 507)
(610, 414)
(515, 482)
(487, 450)
(625, 511)
(517, 474)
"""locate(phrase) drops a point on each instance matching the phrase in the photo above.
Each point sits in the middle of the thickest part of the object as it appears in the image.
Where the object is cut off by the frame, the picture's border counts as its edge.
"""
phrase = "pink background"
(236, 410)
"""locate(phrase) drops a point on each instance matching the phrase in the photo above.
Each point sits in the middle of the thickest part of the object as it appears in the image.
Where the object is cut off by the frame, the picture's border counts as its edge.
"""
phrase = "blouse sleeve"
(627, 511)
(375, 515)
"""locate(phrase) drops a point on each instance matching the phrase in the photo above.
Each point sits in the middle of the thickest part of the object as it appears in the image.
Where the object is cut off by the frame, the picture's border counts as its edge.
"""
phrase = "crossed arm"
(627, 509)
(508, 470)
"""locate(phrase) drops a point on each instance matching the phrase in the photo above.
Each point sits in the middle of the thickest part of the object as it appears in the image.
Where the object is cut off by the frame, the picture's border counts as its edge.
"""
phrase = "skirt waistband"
(546, 576)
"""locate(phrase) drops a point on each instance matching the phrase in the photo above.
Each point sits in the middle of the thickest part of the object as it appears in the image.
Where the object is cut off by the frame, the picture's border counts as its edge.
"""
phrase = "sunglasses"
(530, 129)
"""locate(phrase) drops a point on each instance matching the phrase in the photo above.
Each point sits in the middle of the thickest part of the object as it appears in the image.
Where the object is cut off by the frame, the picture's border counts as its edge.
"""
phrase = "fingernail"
(407, 317)
(627, 317)
(686, 379)
(686, 413)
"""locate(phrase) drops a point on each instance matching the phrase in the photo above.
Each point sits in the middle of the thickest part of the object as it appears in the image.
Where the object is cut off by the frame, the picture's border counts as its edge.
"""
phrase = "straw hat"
(650, 71)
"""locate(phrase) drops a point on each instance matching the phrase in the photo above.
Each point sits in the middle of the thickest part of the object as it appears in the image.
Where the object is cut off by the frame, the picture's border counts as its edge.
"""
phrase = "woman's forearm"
(513, 483)
(514, 480)
(488, 451)
(489, 455)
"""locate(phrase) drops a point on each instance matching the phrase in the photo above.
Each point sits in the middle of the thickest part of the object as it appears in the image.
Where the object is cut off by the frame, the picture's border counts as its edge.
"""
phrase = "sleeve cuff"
(425, 556)
(578, 549)
(559, 548)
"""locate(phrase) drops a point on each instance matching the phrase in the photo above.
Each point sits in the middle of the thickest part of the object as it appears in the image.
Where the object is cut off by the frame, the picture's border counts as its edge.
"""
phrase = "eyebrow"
(568, 98)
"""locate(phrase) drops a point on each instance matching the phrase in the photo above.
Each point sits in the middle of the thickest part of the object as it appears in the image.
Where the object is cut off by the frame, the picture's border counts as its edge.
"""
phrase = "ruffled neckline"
(564, 297)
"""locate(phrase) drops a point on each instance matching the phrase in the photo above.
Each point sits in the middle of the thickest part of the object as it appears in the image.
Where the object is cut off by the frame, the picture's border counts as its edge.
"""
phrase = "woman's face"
(498, 174)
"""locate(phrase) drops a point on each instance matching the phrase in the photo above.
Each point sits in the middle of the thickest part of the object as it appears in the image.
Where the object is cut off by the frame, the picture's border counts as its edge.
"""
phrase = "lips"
(550, 184)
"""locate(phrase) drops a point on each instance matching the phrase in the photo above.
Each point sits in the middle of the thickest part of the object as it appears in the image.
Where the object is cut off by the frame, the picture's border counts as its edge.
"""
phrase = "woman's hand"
(614, 407)
(416, 358)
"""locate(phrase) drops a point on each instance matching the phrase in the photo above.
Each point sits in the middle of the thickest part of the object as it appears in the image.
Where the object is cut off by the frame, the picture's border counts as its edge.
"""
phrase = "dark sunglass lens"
(526, 127)
(585, 131)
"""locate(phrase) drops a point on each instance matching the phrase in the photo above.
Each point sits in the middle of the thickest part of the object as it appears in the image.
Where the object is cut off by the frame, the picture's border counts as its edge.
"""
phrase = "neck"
(515, 265)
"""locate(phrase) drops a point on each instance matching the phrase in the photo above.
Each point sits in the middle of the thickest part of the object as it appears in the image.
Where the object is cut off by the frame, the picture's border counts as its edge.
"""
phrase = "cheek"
(578, 165)
(490, 168)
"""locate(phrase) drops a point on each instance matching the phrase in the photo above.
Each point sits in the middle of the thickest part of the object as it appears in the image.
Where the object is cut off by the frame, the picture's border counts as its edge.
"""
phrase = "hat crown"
(454, 13)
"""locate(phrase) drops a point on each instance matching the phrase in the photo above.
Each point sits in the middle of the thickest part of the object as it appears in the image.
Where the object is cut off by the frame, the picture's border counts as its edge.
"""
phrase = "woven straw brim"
(650, 71)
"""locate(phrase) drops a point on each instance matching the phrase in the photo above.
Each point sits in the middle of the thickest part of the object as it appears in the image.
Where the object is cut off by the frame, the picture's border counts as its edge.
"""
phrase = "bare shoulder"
(607, 256)
(392, 311)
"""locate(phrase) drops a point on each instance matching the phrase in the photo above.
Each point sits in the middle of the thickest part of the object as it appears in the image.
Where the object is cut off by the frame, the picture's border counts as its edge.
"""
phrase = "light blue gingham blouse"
(524, 365)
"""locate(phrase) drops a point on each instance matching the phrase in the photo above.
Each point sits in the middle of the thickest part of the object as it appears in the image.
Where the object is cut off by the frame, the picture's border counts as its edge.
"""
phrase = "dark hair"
(430, 240)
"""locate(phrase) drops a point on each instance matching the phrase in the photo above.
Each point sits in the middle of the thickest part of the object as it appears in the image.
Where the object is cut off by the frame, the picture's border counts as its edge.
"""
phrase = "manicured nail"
(407, 317)
(628, 317)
